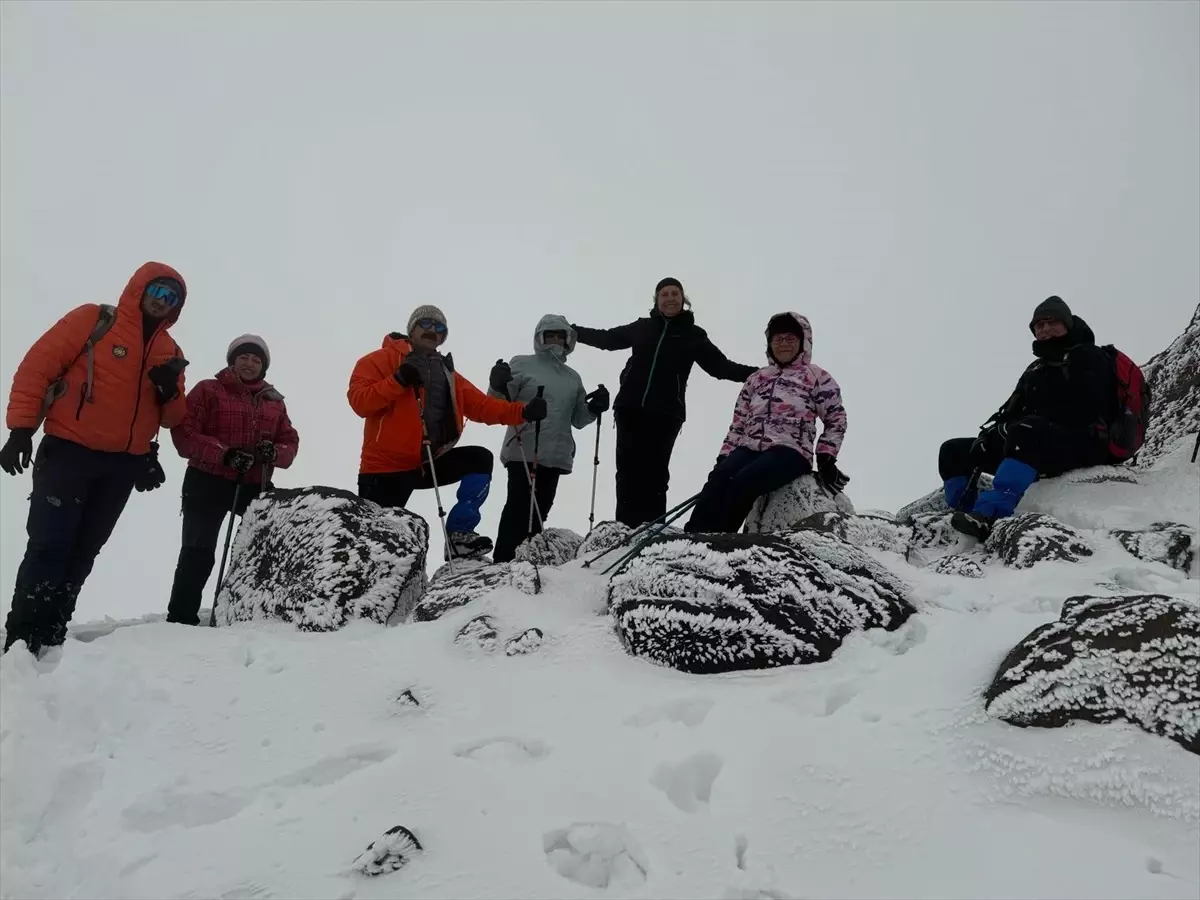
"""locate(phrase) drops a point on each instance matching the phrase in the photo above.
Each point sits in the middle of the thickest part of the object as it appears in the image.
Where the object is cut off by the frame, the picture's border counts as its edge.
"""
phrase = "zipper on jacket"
(654, 361)
(137, 402)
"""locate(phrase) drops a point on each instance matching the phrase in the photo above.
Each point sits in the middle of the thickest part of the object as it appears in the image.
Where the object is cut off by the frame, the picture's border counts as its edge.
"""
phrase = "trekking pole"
(595, 473)
(642, 529)
(537, 439)
(437, 494)
(1196, 449)
(537, 507)
(237, 491)
(641, 545)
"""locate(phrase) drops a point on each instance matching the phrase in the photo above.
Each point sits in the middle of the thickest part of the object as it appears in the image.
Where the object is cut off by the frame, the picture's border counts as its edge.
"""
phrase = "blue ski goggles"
(431, 325)
(165, 293)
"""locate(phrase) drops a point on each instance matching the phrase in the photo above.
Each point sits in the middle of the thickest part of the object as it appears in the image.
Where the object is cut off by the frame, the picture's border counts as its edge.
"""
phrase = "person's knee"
(952, 459)
(480, 460)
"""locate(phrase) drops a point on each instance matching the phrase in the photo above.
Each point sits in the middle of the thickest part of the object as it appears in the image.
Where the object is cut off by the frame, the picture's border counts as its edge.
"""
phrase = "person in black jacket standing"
(1054, 421)
(650, 407)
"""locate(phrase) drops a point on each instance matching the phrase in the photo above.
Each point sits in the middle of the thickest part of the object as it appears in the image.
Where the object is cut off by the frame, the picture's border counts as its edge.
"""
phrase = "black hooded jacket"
(1070, 383)
(656, 375)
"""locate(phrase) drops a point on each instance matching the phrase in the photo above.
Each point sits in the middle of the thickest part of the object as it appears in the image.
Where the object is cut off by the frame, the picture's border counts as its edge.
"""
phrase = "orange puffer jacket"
(392, 431)
(123, 415)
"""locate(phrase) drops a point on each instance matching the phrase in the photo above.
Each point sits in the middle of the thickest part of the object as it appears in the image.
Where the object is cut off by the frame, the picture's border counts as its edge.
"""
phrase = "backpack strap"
(57, 388)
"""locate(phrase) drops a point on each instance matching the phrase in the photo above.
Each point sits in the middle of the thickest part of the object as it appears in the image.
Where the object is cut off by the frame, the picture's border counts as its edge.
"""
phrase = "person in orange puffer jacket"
(409, 393)
(102, 404)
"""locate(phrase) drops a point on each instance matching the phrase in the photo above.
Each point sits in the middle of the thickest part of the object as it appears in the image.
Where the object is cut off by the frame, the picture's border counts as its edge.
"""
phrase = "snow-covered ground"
(257, 761)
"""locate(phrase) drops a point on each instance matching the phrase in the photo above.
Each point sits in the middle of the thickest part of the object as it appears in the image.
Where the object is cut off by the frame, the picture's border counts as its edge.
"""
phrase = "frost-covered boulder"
(956, 564)
(318, 557)
(862, 531)
(722, 602)
(1174, 379)
(1024, 541)
(604, 536)
(786, 508)
(1132, 658)
(552, 547)
(388, 853)
(1164, 542)
(449, 591)
(933, 503)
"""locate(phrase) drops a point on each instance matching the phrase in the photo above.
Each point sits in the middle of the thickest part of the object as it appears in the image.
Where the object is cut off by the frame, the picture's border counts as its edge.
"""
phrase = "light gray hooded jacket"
(565, 397)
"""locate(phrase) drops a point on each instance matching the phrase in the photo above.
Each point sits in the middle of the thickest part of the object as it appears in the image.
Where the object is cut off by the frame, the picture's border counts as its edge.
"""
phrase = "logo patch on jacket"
(119, 351)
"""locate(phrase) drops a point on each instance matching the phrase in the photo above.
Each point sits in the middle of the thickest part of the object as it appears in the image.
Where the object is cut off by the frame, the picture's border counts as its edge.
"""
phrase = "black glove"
(598, 400)
(409, 376)
(500, 377)
(535, 410)
(17, 452)
(264, 451)
(151, 475)
(165, 379)
(238, 460)
(829, 474)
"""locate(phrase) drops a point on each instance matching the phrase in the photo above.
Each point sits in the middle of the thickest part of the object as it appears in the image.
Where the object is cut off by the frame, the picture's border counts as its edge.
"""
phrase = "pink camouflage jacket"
(779, 406)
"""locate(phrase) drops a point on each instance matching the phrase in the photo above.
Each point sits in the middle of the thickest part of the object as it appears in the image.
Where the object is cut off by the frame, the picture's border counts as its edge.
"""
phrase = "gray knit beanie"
(427, 312)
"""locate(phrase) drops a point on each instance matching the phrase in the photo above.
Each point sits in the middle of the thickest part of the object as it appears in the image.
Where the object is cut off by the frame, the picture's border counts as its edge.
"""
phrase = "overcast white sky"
(914, 177)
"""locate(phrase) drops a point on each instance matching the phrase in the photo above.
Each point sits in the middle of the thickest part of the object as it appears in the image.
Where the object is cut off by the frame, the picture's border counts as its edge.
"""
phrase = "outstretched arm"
(717, 364)
(479, 407)
(619, 338)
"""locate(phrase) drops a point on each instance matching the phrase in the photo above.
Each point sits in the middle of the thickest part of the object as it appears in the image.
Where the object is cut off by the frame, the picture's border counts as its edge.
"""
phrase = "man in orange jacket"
(409, 394)
(102, 380)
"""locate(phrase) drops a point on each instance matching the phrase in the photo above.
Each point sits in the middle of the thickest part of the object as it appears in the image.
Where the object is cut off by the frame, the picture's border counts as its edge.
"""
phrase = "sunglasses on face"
(431, 325)
(165, 293)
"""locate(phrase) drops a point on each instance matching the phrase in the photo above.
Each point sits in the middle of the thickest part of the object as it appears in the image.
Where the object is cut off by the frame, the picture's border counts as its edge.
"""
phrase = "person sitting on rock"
(415, 406)
(568, 406)
(770, 441)
(1052, 423)
(236, 431)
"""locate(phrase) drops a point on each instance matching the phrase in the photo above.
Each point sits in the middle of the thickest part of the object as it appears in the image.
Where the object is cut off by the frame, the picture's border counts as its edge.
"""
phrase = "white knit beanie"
(249, 343)
(427, 312)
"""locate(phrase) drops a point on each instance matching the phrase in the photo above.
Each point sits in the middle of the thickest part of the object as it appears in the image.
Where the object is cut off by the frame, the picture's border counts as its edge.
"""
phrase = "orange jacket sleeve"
(46, 360)
(372, 387)
(479, 407)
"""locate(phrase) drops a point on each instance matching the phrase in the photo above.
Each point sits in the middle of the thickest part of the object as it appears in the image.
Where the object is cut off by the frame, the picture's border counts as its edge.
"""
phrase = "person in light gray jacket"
(568, 406)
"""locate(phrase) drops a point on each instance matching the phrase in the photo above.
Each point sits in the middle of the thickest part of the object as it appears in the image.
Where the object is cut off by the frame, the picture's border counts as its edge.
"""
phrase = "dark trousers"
(739, 479)
(207, 500)
(1042, 445)
(472, 466)
(514, 520)
(645, 441)
(78, 495)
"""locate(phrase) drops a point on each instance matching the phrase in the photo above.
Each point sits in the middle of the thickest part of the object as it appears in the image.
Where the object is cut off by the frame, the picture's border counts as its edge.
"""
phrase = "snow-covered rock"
(552, 547)
(861, 530)
(319, 557)
(1134, 658)
(1174, 379)
(956, 564)
(1023, 541)
(393, 850)
(934, 537)
(786, 508)
(603, 537)
(1165, 542)
(449, 591)
(933, 503)
(718, 603)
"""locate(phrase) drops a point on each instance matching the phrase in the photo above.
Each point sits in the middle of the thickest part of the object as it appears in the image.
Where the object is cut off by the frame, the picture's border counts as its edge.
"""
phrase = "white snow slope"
(256, 761)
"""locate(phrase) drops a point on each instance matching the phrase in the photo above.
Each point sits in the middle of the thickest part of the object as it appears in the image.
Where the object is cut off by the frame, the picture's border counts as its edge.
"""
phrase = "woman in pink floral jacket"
(770, 441)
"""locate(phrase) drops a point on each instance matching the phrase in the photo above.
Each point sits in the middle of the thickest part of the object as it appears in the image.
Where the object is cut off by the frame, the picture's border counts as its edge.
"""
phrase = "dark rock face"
(724, 602)
(318, 557)
(552, 547)
(1132, 658)
(1164, 542)
(861, 531)
(1025, 540)
(1174, 379)
(449, 592)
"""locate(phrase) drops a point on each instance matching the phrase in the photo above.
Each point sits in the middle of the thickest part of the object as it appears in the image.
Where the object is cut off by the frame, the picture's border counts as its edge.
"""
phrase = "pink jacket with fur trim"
(779, 406)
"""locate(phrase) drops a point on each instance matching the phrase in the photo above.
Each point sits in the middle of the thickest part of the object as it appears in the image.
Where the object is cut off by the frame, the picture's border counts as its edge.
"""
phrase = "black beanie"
(1053, 308)
(667, 282)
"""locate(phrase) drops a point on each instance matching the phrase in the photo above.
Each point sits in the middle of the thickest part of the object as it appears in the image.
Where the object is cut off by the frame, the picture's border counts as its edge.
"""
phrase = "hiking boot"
(973, 524)
(468, 545)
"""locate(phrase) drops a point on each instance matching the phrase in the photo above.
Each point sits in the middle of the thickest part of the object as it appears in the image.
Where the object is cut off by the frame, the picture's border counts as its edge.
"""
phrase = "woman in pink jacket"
(770, 441)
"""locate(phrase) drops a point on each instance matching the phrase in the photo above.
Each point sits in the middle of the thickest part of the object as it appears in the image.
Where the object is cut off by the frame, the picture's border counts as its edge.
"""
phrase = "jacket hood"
(553, 323)
(396, 339)
(131, 297)
(1081, 332)
(804, 358)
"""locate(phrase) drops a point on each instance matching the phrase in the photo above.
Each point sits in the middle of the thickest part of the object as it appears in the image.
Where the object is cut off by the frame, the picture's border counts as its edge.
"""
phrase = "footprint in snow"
(503, 749)
(690, 712)
(688, 783)
(335, 768)
(596, 854)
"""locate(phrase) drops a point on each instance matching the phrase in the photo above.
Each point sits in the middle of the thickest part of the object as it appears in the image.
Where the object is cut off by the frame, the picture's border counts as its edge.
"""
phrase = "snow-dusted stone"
(448, 591)
(955, 564)
(389, 852)
(552, 547)
(786, 508)
(1165, 542)
(1132, 658)
(1174, 379)
(319, 557)
(1024, 541)
(603, 537)
(528, 641)
(932, 535)
(480, 633)
(723, 602)
(861, 531)
(933, 502)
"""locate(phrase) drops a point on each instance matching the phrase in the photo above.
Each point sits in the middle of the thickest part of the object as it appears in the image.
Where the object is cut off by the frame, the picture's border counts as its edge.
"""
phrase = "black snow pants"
(738, 480)
(514, 520)
(645, 441)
